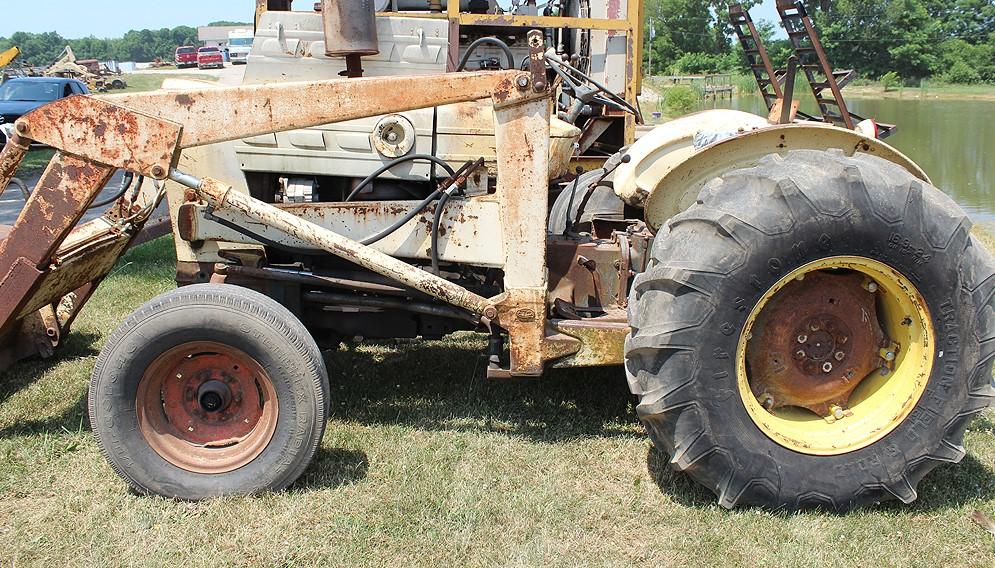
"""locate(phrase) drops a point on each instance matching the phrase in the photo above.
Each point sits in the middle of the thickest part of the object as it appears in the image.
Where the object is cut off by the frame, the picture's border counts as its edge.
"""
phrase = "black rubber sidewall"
(943, 399)
(297, 384)
(714, 263)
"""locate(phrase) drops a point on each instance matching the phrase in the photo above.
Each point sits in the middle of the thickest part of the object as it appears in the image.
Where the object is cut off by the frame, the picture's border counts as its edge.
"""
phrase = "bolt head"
(767, 401)
(839, 355)
(838, 413)
(523, 82)
(802, 338)
(827, 367)
(889, 356)
(800, 354)
(872, 287)
(800, 277)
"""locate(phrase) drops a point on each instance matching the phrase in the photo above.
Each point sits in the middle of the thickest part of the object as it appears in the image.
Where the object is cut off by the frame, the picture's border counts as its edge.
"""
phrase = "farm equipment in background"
(7, 57)
(112, 79)
(806, 321)
(777, 86)
(7, 67)
(96, 75)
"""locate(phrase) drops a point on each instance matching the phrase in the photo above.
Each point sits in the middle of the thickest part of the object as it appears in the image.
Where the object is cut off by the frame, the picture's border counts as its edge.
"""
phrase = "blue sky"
(111, 18)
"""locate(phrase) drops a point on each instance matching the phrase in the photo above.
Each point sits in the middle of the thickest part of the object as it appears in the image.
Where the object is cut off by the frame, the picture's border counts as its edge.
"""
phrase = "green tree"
(855, 33)
(970, 20)
(915, 52)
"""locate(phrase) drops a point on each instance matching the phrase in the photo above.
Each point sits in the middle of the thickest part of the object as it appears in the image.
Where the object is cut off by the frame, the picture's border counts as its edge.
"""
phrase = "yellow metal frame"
(881, 402)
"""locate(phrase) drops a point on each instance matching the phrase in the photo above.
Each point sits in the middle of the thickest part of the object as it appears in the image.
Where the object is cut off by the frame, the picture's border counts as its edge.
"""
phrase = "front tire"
(743, 270)
(209, 390)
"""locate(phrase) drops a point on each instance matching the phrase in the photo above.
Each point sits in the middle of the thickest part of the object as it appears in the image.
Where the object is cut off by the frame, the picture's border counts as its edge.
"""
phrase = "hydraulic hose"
(436, 222)
(375, 238)
(390, 165)
(491, 40)
(400, 222)
(125, 185)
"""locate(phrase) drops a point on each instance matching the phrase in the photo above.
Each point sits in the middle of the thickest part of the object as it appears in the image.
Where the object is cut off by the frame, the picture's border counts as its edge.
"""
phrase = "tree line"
(953, 40)
(136, 45)
(950, 40)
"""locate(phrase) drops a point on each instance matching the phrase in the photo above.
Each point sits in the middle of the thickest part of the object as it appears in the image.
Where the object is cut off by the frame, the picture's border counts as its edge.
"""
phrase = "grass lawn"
(139, 82)
(34, 163)
(983, 92)
(424, 463)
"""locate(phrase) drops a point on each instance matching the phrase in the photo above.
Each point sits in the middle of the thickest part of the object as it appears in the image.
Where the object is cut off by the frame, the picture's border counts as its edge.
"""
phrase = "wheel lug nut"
(802, 338)
(839, 355)
(800, 354)
(827, 367)
(814, 326)
(837, 411)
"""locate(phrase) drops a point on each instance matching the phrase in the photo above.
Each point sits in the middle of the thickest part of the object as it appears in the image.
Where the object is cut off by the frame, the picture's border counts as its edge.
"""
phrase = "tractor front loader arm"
(49, 266)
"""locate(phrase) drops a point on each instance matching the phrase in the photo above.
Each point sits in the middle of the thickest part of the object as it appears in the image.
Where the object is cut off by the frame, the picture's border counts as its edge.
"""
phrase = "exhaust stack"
(350, 32)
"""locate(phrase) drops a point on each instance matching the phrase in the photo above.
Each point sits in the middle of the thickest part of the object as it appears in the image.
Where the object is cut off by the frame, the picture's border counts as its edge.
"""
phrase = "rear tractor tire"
(815, 332)
(209, 390)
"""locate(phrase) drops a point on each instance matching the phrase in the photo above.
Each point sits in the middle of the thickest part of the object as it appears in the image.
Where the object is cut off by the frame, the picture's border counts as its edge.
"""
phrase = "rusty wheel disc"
(835, 355)
(207, 407)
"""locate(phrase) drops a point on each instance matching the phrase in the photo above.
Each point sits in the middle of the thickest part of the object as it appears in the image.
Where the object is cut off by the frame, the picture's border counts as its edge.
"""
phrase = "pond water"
(953, 141)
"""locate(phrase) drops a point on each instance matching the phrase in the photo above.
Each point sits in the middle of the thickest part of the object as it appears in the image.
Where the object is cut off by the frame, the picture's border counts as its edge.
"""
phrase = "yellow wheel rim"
(882, 399)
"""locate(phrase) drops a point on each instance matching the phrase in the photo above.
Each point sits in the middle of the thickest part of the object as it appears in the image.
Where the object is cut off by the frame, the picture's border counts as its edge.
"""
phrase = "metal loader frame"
(48, 269)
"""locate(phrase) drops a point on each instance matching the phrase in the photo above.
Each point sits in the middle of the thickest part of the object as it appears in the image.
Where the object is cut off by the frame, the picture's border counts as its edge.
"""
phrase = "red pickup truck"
(208, 57)
(186, 56)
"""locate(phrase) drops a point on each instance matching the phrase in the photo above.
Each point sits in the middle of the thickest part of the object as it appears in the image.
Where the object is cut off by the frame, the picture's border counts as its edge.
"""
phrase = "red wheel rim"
(207, 407)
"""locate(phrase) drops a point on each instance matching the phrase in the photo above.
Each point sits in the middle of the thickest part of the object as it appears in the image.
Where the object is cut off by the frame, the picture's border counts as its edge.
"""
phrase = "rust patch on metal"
(106, 134)
(59, 200)
(184, 100)
(232, 113)
(207, 407)
(814, 343)
(602, 340)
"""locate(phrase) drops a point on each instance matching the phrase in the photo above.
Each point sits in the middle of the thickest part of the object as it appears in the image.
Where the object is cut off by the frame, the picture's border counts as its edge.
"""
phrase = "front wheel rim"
(795, 376)
(206, 407)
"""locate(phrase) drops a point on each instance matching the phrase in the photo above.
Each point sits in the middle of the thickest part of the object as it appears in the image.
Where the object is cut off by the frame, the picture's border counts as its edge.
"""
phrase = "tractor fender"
(667, 170)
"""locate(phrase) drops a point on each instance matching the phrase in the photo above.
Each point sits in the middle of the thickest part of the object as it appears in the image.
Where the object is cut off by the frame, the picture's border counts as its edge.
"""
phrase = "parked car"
(21, 95)
(210, 57)
(186, 56)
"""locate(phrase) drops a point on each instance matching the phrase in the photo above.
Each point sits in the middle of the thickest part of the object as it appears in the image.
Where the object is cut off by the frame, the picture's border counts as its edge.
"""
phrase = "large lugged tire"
(209, 390)
(796, 256)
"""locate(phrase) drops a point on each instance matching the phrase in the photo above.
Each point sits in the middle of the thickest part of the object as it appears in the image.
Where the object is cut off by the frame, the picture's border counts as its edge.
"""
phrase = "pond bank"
(939, 92)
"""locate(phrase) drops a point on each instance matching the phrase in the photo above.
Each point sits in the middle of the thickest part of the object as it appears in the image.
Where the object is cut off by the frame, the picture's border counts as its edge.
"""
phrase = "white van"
(239, 46)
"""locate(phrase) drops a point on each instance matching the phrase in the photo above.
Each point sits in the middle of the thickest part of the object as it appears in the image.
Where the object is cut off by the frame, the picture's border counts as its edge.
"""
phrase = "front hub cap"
(835, 355)
(206, 407)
